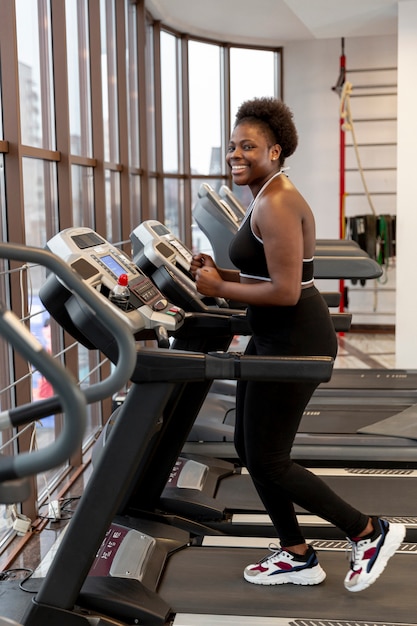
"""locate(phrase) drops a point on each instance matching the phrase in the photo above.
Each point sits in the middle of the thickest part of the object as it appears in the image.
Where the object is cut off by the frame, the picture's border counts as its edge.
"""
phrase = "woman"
(274, 250)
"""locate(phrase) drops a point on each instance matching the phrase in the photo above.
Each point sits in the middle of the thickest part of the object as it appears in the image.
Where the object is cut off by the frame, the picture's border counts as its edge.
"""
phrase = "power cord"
(9, 574)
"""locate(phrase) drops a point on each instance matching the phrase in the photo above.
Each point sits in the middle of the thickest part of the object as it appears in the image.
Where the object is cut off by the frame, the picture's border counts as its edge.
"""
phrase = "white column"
(406, 296)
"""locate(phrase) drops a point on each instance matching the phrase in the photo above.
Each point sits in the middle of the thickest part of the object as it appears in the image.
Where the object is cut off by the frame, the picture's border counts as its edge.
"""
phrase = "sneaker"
(370, 556)
(286, 567)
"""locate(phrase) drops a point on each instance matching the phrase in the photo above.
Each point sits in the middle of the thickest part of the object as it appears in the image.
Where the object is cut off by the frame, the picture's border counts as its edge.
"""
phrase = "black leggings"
(268, 416)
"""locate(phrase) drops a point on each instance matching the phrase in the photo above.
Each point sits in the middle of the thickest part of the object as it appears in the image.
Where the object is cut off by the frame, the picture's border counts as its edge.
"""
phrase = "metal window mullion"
(142, 104)
(180, 186)
(279, 72)
(185, 220)
(225, 93)
(179, 99)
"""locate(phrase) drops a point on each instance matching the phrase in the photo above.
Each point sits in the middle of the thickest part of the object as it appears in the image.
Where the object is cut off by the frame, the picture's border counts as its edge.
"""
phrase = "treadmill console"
(158, 253)
(153, 244)
(235, 205)
(218, 222)
(100, 264)
(213, 202)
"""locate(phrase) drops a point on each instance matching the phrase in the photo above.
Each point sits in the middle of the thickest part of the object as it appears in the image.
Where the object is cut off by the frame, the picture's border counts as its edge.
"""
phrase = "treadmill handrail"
(70, 398)
(346, 267)
(170, 365)
(126, 344)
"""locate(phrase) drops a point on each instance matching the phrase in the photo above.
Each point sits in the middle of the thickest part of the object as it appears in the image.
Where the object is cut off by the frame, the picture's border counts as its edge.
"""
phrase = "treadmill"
(334, 428)
(121, 570)
(213, 494)
(209, 493)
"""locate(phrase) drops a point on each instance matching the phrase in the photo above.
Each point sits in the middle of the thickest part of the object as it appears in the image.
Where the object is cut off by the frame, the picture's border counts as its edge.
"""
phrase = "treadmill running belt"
(345, 378)
(403, 424)
(390, 496)
(210, 580)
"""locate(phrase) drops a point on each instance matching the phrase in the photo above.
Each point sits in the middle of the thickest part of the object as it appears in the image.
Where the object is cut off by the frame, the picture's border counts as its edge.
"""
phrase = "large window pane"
(153, 198)
(205, 108)
(252, 74)
(135, 200)
(132, 84)
(35, 73)
(79, 85)
(170, 103)
(173, 192)
(40, 201)
(109, 80)
(113, 207)
(82, 196)
(200, 242)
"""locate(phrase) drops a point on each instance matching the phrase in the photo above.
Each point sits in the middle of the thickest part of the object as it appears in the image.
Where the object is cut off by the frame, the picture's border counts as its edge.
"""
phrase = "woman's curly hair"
(276, 116)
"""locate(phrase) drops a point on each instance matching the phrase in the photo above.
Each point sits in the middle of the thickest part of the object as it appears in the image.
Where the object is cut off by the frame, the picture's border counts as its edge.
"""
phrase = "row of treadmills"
(169, 518)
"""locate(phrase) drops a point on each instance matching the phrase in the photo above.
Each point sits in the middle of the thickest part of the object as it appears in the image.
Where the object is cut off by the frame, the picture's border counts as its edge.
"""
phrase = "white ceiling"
(274, 22)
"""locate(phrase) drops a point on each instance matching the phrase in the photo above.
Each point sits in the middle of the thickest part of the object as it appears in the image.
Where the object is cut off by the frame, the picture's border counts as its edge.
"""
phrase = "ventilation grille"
(368, 471)
(336, 544)
(324, 622)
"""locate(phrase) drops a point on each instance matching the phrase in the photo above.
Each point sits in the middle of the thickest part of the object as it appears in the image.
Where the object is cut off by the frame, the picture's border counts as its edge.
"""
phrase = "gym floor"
(356, 350)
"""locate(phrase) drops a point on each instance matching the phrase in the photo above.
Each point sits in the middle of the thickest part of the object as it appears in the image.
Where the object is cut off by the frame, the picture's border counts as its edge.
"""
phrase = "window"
(252, 74)
(205, 108)
(106, 137)
(33, 25)
(79, 80)
(170, 103)
(82, 196)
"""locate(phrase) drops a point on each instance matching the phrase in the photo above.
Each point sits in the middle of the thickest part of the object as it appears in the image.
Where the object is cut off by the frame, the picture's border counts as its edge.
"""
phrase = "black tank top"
(247, 253)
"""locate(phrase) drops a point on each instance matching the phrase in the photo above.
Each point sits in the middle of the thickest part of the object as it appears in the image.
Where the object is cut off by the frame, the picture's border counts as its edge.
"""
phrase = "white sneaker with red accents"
(286, 567)
(370, 556)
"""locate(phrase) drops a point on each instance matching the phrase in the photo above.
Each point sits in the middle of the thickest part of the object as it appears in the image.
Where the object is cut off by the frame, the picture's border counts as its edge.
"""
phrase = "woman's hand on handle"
(208, 281)
(201, 260)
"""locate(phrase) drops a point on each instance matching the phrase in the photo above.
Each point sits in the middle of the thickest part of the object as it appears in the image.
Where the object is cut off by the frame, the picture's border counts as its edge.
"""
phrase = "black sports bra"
(247, 253)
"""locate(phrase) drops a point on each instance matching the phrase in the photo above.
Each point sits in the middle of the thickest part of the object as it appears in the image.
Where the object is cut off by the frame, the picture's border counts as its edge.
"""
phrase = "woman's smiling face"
(250, 155)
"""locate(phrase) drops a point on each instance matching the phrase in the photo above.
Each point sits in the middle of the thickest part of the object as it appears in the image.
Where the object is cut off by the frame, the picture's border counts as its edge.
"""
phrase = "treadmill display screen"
(165, 250)
(87, 240)
(160, 230)
(85, 269)
(113, 265)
